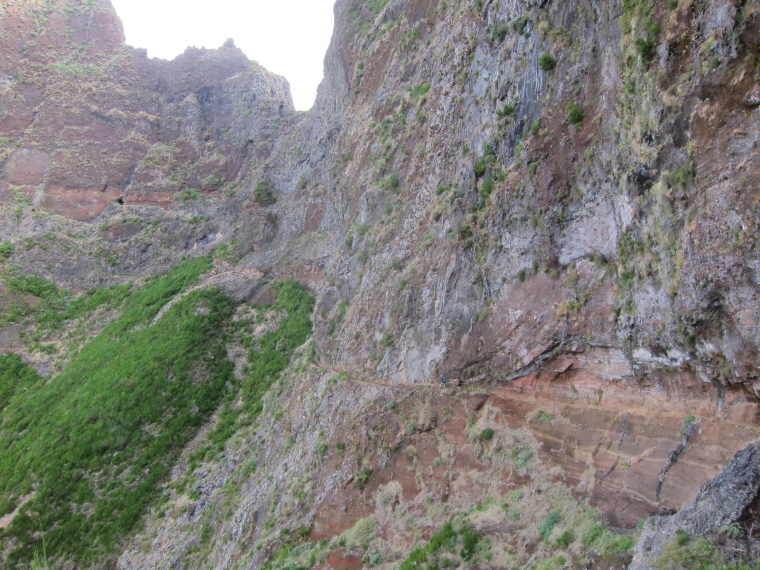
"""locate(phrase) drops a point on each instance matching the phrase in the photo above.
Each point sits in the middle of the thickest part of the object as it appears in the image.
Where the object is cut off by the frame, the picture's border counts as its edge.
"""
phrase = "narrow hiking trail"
(356, 378)
(207, 282)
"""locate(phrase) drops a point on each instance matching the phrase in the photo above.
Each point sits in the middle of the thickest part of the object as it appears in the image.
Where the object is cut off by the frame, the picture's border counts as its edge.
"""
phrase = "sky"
(288, 37)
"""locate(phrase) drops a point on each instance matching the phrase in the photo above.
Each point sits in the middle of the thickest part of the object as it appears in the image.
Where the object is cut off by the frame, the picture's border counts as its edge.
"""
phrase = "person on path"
(443, 381)
(459, 382)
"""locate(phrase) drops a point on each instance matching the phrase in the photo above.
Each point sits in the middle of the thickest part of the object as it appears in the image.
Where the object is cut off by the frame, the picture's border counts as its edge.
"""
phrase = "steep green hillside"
(86, 452)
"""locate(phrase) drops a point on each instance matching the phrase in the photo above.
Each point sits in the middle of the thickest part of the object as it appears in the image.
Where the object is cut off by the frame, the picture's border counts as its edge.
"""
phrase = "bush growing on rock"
(547, 62)
(575, 113)
(6, 249)
(486, 434)
(186, 195)
(264, 194)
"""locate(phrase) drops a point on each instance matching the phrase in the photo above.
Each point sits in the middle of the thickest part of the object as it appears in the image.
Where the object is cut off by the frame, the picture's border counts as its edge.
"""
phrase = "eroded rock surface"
(718, 503)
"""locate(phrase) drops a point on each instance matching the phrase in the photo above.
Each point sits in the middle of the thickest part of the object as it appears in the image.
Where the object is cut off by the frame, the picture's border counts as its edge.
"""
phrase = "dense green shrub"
(700, 554)
(37, 286)
(646, 48)
(647, 45)
(508, 110)
(487, 189)
(264, 194)
(376, 5)
(547, 525)
(486, 434)
(688, 421)
(469, 543)
(186, 195)
(575, 113)
(6, 249)
(593, 533)
(547, 62)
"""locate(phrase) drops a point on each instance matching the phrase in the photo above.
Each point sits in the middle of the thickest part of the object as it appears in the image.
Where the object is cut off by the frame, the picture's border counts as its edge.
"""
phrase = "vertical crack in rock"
(619, 445)
(673, 457)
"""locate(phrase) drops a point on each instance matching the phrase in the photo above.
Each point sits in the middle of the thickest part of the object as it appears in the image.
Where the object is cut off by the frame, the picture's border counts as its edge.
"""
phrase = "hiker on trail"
(443, 381)
(459, 381)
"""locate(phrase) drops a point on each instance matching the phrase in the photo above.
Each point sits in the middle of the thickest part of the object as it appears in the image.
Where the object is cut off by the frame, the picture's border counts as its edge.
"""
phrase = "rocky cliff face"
(94, 131)
(554, 200)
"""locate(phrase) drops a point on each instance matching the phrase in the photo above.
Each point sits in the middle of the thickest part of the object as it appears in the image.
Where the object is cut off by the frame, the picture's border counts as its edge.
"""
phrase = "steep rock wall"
(88, 121)
(575, 239)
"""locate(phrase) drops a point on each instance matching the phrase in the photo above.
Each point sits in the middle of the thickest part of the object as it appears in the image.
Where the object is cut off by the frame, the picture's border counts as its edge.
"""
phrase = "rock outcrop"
(718, 504)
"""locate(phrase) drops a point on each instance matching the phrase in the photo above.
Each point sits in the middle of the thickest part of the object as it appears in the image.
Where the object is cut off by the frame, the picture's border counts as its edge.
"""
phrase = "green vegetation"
(547, 525)
(606, 542)
(489, 157)
(566, 539)
(268, 356)
(6, 249)
(37, 286)
(637, 20)
(362, 477)
(485, 192)
(508, 110)
(682, 177)
(521, 454)
(684, 554)
(56, 306)
(500, 32)
(93, 445)
(547, 62)
(376, 5)
(186, 195)
(442, 188)
(264, 194)
(91, 448)
(543, 417)
(688, 421)
(391, 182)
(575, 113)
(419, 90)
(226, 252)
(647, 45)
(15, 377)
(442, 544)
(486, 434)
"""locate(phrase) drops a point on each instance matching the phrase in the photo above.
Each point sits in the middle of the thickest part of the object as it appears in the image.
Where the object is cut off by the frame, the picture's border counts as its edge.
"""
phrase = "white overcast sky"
(288, 37)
